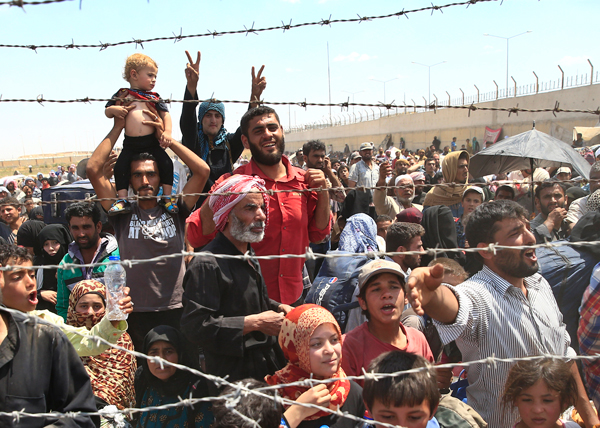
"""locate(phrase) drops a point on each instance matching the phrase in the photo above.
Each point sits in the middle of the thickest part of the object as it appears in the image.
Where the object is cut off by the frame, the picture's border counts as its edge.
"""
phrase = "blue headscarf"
(202, 138)
(359, 235)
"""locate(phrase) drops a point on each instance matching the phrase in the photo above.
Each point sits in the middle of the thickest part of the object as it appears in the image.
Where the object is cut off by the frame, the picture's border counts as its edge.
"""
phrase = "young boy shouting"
(408, 400)
(382, 299)
(140, 72)
(20, 292)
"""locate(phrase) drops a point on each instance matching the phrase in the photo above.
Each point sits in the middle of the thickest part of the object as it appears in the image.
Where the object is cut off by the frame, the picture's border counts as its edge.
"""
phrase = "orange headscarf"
(294, 337)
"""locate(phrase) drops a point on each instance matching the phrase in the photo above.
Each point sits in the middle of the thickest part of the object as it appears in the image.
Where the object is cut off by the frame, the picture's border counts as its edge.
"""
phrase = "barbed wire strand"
(285, 27)
(320, 189)
(491, 361)
(21, 3)
(308, 255)
(471, 107)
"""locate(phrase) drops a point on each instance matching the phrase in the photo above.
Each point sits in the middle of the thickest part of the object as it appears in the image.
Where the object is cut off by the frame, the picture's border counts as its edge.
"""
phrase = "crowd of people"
(308, 326)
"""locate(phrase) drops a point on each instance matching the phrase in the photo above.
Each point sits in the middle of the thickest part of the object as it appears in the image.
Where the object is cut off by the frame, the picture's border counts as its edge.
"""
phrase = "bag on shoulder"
(335, 284)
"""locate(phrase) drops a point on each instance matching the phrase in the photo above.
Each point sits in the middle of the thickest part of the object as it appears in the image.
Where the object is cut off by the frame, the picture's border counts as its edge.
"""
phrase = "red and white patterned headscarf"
(294, 339)
(221, 205)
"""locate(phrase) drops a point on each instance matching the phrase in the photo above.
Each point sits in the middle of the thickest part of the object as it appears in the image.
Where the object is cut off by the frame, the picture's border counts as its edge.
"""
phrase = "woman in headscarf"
(156, 386)
(359, 235)
(455, 168)
(311, 341)
(54, 240)
(37, 213)
(111, 373)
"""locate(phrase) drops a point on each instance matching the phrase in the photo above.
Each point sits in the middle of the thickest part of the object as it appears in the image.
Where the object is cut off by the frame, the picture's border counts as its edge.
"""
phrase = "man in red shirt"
(295, 218)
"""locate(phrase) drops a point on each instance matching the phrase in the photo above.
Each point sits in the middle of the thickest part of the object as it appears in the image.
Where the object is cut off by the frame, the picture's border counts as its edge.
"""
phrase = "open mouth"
(530, 254)
(32, 297)
(388, 309)
(269, 145)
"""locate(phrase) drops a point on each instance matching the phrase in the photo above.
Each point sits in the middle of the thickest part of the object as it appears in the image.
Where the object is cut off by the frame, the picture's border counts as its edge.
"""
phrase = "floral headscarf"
(294, 339)
(111, 373)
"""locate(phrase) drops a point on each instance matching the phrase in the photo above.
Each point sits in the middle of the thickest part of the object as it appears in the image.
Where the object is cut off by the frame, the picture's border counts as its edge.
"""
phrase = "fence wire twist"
(344, 105)
(251, 30)
(231, 400)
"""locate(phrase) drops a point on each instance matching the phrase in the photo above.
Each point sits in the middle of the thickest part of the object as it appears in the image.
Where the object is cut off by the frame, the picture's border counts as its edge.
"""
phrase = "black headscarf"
(56, 232)
(440, 232)
(35, 212)
(176, 384)
(27, 236)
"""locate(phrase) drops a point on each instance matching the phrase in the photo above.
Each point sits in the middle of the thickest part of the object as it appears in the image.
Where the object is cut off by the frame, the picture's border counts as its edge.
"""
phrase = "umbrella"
(531, 149)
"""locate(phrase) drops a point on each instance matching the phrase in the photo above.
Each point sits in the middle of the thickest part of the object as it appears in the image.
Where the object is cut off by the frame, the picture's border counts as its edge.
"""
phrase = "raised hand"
(192, 72)
(258, 84)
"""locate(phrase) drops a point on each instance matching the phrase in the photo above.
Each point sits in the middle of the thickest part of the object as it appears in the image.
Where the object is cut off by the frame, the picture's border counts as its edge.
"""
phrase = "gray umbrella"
(531, 149)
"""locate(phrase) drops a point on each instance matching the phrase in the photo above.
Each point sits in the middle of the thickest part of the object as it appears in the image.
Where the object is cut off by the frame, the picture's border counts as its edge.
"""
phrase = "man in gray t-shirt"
(149, 230)
(365, 172)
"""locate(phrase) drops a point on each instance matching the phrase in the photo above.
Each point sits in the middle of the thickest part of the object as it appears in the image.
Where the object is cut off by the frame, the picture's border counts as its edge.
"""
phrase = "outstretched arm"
(426, 295)
(95, 166)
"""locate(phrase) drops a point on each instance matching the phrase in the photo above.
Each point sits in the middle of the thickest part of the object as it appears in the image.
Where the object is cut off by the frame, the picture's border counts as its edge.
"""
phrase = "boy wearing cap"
(382, 300)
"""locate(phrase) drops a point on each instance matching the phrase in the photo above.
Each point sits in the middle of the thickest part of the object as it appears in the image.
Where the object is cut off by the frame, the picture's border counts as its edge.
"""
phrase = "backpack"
(336, 283)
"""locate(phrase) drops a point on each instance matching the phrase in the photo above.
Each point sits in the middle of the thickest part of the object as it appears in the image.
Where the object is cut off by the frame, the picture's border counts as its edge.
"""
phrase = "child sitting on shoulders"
(382, 299)
(140, 72)
(541, 391)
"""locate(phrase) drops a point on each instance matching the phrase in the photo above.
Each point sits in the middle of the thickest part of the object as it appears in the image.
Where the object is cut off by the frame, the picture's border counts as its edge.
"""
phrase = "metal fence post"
(513, 79)
(592, 72)
(562, 82)
(537, 83)
(463, 96)
(477, 93)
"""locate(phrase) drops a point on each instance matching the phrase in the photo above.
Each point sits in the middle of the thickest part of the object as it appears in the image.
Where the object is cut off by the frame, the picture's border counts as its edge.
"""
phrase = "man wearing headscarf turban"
(208, 137)
(455, 168)
(226, 307)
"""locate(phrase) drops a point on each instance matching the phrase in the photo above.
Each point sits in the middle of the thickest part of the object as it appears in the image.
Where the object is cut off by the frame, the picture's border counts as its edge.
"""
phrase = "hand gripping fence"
(232, 399)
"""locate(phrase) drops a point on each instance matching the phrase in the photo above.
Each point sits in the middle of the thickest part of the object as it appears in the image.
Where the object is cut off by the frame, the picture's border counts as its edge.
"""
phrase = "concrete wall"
(49, 160)
(418, 129)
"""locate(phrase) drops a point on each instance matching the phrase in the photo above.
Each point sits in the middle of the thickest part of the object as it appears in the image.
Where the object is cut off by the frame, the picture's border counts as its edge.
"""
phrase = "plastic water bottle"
(114, 279)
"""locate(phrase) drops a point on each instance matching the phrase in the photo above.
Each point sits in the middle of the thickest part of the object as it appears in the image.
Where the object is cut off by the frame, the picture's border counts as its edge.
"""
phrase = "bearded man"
(226, 306)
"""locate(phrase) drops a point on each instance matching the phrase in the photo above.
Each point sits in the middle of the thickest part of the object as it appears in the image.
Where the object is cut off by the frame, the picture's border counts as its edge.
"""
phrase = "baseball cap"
(475, 189)
(354, 155)
(376, 267)
(563, 169)
(366, 146)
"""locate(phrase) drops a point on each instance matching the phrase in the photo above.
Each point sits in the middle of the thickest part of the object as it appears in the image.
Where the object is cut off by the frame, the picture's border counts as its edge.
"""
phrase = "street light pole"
(507, 40)
(353, 93)
(384, 82)
(429, 78)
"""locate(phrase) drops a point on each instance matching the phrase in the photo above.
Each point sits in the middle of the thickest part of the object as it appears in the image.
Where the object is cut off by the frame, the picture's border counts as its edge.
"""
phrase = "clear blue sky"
(296, 61)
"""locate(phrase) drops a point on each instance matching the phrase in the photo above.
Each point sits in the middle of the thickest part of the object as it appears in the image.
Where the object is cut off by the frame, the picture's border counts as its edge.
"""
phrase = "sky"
(296, 61)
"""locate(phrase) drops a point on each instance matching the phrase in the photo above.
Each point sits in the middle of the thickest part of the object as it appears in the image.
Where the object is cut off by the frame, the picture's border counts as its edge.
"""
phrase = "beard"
(511, 263)
(244, 233)
(405, 201)
(271, 158)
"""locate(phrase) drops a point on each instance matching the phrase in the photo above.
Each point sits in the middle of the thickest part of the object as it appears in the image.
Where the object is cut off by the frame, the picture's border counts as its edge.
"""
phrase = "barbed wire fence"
(232, 399)
(247, 30)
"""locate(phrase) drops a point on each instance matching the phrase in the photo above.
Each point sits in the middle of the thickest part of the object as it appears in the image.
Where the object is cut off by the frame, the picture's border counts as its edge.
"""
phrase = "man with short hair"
(10, 210)
(89, 246)
(579, 207)
(150, 230)
(550, 200)
(365, 172)
(314, 155)
(383, 222)
(402, 237)
(40, 372)
(297, 217)
(227, 310)
(505, 192)
(579, 142)
(506, 310)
